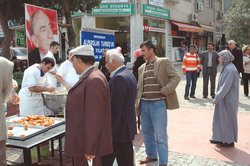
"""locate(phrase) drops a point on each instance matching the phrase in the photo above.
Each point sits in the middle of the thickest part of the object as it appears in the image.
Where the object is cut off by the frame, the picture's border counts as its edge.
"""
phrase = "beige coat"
(6, 68)
(167, 77)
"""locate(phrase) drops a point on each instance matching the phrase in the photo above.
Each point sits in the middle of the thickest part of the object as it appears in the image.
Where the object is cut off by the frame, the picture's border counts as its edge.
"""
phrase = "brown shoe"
(147, 160)
(163, 165)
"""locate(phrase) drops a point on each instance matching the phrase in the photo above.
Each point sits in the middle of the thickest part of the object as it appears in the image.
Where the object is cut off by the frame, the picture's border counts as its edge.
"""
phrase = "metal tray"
(32, 130)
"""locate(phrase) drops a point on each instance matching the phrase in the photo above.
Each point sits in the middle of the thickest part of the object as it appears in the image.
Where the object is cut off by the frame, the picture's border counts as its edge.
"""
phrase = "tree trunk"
(8, 34)
(70, 30)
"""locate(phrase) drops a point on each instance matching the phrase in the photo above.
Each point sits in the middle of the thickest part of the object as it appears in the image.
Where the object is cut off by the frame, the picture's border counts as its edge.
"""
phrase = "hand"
(184, 73)
(15, 99)
(67, 87)
(51, 89)
(89, 157)
(52, 72)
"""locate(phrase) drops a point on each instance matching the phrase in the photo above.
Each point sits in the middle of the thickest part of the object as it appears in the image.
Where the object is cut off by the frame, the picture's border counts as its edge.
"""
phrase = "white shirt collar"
(115, 71)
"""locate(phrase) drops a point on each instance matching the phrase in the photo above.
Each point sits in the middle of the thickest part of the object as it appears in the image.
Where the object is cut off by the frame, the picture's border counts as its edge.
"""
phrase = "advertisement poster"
(41, 29)
(99, 41)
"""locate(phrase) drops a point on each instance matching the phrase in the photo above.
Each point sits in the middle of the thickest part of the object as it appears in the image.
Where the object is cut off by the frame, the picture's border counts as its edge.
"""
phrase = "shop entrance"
(121, 26)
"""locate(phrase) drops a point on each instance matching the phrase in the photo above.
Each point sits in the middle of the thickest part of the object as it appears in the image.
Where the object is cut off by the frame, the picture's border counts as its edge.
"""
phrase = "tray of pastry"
(22, 128)
(22, 132)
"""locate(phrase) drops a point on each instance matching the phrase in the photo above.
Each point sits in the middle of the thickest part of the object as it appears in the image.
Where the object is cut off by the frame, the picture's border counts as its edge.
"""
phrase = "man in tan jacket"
(6, 68)
(156, 93)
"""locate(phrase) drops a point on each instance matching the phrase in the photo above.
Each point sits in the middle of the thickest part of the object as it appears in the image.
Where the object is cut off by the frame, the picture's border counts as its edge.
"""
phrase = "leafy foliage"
(237, 21)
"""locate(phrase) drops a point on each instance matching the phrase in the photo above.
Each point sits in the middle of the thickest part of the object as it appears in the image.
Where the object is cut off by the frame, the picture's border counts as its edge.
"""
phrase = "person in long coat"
(6, 68)
(88, 111)
(123, 94)
(225, 126)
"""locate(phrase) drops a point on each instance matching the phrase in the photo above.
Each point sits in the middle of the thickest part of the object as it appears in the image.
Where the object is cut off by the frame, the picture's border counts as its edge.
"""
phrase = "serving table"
(55, 133)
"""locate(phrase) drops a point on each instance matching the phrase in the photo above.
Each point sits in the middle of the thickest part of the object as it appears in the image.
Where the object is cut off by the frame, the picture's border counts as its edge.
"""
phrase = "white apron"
(32, 103)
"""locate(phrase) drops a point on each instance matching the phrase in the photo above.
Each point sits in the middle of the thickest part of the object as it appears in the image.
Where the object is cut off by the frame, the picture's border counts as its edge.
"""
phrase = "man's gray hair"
(116, 55)
(231, 42)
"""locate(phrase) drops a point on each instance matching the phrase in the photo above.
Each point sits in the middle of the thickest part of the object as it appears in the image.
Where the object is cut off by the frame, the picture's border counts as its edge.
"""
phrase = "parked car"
(19, 56)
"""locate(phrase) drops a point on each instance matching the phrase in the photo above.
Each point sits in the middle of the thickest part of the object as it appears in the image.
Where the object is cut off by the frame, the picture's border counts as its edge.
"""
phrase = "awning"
(187, 27)
(207, 28)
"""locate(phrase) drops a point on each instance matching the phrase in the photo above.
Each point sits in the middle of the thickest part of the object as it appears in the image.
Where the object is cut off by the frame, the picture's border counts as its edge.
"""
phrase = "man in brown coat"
(88, 111)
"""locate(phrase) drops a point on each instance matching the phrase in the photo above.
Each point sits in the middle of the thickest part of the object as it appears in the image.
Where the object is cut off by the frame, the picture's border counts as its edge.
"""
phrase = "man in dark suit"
(209, 62)
(88, 114)
(123, 94)
(238, 56)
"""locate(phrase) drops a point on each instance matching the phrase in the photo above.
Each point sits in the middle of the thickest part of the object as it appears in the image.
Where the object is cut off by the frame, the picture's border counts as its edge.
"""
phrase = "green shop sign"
(114, 9)
(152, 11)
(20, 39)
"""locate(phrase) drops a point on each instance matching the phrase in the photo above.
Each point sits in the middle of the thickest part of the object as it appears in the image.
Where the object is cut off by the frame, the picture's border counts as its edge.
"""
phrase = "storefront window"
(154, 30)
(121, 26)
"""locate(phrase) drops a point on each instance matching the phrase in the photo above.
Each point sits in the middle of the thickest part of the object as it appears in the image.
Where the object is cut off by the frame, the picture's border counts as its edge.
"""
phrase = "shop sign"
(159, 3)
(115, 1)
(154, 24)
(99, 41)
(20, 38)
(153, 29)
(157, 12)
(114, 9)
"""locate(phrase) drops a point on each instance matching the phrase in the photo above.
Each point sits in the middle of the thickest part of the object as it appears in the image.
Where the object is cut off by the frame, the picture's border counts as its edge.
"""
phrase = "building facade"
(168, 23)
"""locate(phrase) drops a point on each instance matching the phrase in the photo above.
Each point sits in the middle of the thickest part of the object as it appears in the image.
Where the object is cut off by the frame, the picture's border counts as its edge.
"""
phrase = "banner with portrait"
(41, 29)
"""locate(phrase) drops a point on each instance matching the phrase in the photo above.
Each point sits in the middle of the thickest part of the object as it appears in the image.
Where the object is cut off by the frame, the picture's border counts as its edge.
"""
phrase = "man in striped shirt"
(191, 67)
(157, 80)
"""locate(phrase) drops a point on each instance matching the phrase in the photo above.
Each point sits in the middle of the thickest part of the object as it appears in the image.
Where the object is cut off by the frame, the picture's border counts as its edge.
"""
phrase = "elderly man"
(88, 112)
(225, 126)
(238, 56)
(156, 93)
(34, 82)
(123, 94)
(41, 36)
(6, 68)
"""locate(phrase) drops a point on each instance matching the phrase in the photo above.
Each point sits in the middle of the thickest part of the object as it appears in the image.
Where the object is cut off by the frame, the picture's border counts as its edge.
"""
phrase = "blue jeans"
(154, 129)
(191, 76)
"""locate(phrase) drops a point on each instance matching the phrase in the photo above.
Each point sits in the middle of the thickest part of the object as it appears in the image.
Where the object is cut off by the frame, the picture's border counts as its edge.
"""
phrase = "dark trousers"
(191, 76)
(123, 152)
(209, 75)
(246, 78)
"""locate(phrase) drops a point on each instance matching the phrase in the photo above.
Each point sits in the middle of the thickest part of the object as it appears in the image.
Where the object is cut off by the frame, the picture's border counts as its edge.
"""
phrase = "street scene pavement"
(189, 132)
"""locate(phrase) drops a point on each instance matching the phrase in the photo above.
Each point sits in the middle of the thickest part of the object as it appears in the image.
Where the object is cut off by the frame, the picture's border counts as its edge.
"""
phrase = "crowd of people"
(102, 104)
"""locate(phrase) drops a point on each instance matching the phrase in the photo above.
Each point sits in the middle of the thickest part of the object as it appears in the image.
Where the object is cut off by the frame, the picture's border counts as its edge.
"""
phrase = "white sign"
(115, 1)
(159, 3)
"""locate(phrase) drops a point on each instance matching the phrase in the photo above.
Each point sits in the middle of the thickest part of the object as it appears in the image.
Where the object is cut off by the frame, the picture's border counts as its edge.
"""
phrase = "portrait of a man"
(42, 29)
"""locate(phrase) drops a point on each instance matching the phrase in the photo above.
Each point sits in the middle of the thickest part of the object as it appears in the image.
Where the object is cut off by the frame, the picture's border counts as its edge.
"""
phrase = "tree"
(14, 10)
(237, 21)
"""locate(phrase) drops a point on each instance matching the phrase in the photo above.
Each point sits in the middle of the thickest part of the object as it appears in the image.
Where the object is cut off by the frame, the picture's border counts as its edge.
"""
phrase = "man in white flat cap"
(88, 111)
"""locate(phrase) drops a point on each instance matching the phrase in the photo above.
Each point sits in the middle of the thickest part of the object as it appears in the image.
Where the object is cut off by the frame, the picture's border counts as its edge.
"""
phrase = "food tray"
(32, 130)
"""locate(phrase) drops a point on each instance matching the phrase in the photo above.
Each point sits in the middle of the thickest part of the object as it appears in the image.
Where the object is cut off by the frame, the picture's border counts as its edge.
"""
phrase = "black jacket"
(238, 59)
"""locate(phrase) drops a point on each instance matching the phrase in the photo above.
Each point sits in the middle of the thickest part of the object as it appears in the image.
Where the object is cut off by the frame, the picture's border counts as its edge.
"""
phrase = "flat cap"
(84, 50)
